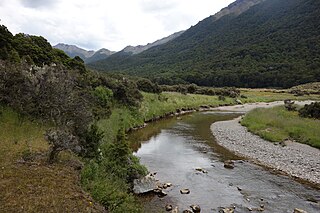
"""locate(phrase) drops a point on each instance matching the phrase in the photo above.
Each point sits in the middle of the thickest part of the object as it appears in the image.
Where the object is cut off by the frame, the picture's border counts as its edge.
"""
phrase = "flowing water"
(175, 147)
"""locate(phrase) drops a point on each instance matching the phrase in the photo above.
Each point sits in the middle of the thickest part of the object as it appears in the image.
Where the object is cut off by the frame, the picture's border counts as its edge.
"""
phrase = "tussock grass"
(277, 124)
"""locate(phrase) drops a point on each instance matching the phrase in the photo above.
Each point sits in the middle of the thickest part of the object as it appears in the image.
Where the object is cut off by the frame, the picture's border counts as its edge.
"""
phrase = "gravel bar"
(295, 159)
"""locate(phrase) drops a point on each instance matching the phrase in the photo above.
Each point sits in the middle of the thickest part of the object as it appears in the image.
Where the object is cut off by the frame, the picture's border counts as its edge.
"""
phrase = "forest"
(273, 44)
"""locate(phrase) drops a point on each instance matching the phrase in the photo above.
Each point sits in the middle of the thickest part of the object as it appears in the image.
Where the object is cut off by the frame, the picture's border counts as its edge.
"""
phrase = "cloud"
(157, 6)
(39, 3)
(111, 24)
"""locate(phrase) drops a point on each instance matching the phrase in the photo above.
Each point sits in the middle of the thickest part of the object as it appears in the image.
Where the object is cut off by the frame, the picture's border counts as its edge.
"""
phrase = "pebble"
(295, 159)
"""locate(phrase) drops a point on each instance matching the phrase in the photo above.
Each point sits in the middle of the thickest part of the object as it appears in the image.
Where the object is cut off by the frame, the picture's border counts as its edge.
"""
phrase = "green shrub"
(146, 85)
(127, 93)
(310, 110)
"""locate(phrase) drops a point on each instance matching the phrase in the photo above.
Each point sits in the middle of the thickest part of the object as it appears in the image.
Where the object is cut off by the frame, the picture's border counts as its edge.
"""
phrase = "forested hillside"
(275, 43)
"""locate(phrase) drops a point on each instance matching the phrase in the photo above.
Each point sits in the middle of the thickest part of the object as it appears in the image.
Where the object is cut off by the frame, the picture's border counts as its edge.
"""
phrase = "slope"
(275, 43)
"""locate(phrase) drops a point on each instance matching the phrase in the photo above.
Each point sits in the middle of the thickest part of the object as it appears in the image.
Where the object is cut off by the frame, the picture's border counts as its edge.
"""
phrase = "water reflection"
(175, 147)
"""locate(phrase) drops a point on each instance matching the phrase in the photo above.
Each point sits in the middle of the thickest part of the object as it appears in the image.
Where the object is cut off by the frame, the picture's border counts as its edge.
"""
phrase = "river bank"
(295, 159)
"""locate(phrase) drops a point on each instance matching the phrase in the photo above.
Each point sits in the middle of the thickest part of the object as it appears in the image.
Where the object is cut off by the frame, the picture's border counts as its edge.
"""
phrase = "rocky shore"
(295, 159)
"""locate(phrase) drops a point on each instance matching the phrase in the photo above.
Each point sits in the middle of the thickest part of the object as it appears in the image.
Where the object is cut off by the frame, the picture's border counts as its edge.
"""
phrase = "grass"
(157, 105)
(33, 185)
(269, 95)
(277, 124)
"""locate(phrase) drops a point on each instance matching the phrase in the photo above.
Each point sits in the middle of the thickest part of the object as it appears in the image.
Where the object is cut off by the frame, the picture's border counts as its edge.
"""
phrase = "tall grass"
(277, 124)
(157, 105)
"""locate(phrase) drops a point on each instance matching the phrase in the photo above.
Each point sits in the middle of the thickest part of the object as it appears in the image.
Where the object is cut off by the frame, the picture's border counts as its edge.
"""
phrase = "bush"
(91, 141)
(127, 93)
(310, 110)
(146, 85)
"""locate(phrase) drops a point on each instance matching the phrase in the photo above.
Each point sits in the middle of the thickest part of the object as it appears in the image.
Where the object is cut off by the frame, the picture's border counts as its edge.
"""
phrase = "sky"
(111, 24)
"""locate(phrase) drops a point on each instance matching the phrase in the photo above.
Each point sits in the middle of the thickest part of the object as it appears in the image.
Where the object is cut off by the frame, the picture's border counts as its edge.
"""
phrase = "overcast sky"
(112, 24)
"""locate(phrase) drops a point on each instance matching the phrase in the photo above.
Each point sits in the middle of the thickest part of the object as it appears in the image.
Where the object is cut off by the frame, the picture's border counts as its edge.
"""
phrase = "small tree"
(61, 139)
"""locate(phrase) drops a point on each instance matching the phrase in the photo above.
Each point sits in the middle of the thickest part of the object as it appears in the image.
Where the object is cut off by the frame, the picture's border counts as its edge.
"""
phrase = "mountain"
(128, 51)
(86, 55)
(140, 48)
(92, 56)
(72, 51)
(251, 43)
(99, 55)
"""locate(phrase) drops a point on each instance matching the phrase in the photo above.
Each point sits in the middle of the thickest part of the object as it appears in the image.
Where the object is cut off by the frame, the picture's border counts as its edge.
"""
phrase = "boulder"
(145, 184)
(185, 191)
(187, 211)
(195, 208)
(229, 164)
(168, 207)
(296, 210)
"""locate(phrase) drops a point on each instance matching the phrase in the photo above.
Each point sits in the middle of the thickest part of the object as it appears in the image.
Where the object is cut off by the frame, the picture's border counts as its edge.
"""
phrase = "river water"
(175, 147)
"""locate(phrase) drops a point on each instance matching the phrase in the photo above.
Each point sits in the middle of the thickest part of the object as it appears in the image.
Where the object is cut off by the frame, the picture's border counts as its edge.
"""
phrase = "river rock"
(187, 211)
(227, 210)
(160, 192)
(195, 208)
(229, 164)
(166, 185)
(175, 210)
(168, 207)
(201, 170)
(185, 191)
(296, 210)
(145, 184)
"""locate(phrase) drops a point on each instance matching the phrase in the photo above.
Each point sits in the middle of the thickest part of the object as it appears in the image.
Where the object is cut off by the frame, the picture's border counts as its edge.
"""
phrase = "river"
(175, 147)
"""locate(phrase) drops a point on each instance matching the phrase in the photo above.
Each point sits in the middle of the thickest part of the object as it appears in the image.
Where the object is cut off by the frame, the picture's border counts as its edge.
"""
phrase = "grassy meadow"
(277, 124)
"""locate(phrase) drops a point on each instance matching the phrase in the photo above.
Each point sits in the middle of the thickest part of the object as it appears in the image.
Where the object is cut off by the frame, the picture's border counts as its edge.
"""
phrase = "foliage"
(194, 89)
(258, 48)
(92, 139)
(108, 190)
(146, 85)
(55, 95)
(119, 160)
(127, 93)
(34, 50)
(109, 178)
(278, 124)
(310, 110)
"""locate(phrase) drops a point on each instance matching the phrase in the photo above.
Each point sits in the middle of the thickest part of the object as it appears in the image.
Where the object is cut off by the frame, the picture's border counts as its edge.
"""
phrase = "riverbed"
(175, 147)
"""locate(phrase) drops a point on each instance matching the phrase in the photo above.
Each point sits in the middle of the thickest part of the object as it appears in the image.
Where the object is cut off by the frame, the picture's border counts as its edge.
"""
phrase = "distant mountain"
(72, 51)
(251, 43)
(134, 50)
(99, 55)
(140, 48)
(86, 55)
